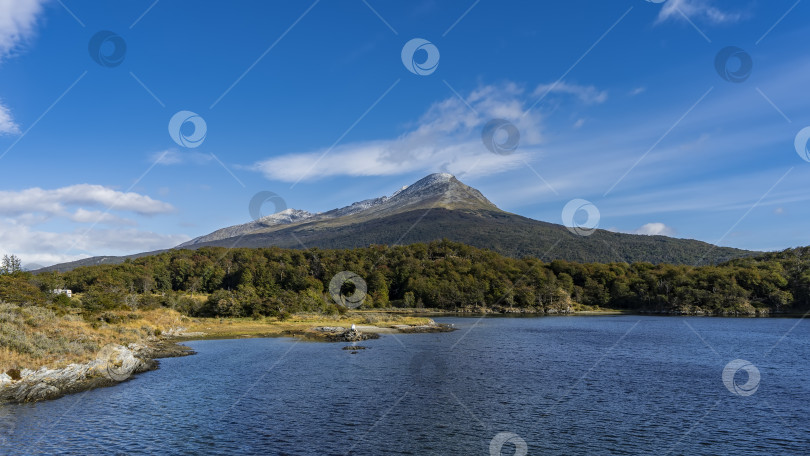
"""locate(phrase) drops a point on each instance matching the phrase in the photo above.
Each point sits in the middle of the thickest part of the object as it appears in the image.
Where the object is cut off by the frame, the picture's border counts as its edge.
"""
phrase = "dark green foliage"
(10, 265)
(508, 234)
(61, 300)
(443, 275)
(106, 293)
(17, 288)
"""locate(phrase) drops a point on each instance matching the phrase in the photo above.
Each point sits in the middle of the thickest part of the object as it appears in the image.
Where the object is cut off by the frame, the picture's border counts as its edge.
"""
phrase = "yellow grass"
(299, 324)
(31, 337)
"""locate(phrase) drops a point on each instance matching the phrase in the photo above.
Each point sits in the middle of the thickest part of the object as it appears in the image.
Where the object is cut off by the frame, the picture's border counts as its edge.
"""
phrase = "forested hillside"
(215, 281)
(508, 234)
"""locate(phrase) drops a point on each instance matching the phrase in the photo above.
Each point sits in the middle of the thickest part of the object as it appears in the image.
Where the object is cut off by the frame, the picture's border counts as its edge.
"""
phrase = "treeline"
(215, 281)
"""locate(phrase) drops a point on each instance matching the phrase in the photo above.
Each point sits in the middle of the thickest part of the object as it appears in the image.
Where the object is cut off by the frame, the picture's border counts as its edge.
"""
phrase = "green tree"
(11, 264)
(409, 299)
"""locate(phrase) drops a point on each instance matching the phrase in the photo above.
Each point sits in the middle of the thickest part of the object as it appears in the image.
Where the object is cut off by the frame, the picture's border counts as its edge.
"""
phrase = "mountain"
(440, 206)
(285, 217)
(433, 191)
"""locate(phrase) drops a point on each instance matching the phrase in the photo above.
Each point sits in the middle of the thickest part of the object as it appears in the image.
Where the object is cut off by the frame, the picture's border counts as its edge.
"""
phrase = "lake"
(539, 386)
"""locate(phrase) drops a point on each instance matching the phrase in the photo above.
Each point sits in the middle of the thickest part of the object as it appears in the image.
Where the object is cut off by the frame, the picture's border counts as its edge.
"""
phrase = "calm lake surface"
(564, 385)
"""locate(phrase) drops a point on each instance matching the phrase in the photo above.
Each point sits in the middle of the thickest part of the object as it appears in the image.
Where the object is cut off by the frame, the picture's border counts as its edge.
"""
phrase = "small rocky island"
(341, 334)
(359, 333)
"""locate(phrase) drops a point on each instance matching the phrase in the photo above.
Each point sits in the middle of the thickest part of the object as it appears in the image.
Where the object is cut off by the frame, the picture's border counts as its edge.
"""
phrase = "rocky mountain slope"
(434, 191)
(439, 206)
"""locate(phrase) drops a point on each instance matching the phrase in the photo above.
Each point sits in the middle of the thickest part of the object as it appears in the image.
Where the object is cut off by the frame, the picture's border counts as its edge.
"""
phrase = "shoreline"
(531, 313)
(115, 364)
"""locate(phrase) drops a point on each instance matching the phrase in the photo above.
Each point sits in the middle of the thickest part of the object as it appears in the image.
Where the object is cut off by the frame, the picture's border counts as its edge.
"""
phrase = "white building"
(64, 292)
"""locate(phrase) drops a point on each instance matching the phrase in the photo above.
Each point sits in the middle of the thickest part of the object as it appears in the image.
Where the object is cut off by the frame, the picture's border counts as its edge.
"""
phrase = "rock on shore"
(429, 328)
(340, 334)
(114, 364)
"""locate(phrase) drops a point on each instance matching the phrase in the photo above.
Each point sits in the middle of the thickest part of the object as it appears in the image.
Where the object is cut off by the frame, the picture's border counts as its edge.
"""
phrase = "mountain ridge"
(436, 207)
(434, 190)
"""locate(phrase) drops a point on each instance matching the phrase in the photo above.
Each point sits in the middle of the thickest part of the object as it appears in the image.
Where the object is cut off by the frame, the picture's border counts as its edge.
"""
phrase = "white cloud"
(586, 94)
(703, 145)
(84, 216)
(637, 91)
(21, 210)
(446, 138)
(655, 229)
(17, 23)
(54, 202)
(7, 124)
(46, 248)
(695, 9)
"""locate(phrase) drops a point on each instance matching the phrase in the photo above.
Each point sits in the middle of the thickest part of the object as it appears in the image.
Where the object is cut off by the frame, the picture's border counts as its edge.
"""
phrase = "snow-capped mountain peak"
(440, 189)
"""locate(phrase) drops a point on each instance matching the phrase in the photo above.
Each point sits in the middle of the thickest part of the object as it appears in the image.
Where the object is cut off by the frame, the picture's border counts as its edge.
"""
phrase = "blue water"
(565, 385)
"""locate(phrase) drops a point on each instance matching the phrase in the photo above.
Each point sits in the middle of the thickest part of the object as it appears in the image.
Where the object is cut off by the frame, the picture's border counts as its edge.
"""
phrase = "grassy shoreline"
(45, 356)
(32, 337)
(296, 326)
(37, 345)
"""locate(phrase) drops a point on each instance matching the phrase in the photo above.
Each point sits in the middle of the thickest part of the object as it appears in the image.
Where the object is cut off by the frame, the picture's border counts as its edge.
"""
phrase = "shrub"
(61, 300)
(18, 289)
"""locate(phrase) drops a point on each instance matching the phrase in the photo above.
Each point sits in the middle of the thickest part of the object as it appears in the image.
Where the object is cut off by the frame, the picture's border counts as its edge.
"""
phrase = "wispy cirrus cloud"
(586, 94)
(17, 23)
(7, 124)
(447, 138)
(680, 10)
(637, 91)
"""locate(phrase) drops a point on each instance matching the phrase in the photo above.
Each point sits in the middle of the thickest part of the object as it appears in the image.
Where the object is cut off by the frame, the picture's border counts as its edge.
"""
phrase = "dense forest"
(507, 234)
(242, 282)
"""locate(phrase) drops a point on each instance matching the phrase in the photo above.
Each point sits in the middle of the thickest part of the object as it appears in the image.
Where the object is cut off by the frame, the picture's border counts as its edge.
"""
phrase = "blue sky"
(617, 102)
